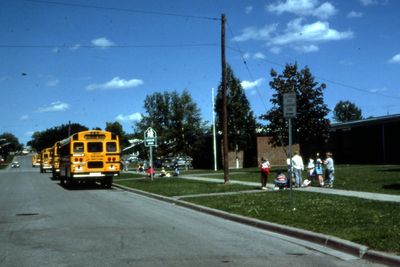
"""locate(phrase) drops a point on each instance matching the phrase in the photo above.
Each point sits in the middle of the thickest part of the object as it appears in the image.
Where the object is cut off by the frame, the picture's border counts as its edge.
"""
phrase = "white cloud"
(378, 90)
(275, 50)
(354, 14)
(251, 84)
(252, 33)
(299, 36)
(346, 62)
(373, 2)
(395, 59)
(102, 42)
(248, 9)
(246, 55)
(55, 50)
(129, 118)
(24, 117)
(309, 33)
(29, 133)
(259, 55)
(55, 106)
(115, 83)
(52, 82)
(303, 8)
(76, 46)
(305, 37)
(307, 48)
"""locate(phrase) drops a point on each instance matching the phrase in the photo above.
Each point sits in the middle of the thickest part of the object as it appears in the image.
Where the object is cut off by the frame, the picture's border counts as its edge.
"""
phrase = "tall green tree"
(241, 120)
(310, 127)
(176, 119)
(117, 128)
(345, 111)
(8, 143)
(49, 137)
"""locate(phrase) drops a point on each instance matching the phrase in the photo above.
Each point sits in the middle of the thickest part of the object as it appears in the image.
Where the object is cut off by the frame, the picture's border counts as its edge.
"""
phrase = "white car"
(15, 164)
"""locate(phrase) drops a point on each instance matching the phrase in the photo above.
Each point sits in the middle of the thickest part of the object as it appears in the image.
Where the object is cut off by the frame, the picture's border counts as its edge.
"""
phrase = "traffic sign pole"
(289, 112)
(150, 140)
(151, 163)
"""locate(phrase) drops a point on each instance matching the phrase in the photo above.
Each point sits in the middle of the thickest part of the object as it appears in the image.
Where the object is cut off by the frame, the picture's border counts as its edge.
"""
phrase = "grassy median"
(372, 223)
(179, 187)
(367, 178)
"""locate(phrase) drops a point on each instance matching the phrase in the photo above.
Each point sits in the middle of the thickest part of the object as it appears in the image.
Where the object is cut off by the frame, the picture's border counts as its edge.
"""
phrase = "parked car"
(15, 164)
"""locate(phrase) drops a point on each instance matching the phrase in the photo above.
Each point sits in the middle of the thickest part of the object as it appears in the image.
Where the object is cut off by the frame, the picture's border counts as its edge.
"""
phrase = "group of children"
(295, 167)
(163, 173)
(315, 170)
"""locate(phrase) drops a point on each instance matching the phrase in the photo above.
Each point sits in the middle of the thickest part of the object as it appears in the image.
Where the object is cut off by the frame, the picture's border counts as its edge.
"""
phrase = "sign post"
(289, 112)
(150, 140)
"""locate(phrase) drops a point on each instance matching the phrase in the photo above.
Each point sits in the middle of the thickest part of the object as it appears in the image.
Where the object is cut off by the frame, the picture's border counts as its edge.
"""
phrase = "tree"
(310, 127)
(176, 119)
(345, 111)
(240, 117)
(47, 138)
(116, 128)
(8, 143)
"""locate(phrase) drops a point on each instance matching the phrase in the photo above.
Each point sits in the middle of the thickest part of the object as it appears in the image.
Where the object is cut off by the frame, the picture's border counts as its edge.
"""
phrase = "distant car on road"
(15, 164)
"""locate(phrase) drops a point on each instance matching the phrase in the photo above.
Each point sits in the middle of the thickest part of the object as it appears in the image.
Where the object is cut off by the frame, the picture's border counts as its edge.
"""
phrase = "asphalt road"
(44, 224)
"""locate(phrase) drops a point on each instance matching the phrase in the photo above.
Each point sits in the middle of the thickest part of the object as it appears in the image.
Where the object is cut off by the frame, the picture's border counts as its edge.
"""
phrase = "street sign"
(150, 137)
(289, 105)
(150, 142)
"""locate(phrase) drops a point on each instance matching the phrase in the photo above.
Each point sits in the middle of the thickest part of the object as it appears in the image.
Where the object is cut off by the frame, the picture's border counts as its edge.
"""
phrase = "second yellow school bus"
(36, 160)
(45, 160)
(90, 156)
(55, 161)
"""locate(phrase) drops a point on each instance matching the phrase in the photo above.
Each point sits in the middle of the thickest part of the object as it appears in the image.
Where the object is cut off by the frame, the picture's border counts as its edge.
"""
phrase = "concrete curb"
(360, 251)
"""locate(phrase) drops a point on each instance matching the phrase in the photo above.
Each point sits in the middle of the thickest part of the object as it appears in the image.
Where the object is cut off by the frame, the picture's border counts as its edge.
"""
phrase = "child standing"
(264, 172)
(318, 170)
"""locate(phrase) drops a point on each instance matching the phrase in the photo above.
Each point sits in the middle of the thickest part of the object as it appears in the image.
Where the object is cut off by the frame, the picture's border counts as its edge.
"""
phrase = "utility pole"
(214, 131)
(224, 104)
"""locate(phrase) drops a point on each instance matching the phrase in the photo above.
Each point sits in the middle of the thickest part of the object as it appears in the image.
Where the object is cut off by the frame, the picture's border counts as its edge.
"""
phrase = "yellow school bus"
(45, 160)
(55, 160)
(90, 156)
(36, 160)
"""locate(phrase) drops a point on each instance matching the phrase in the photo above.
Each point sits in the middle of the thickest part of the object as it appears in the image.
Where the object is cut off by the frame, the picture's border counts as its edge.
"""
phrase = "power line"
(319, 77)
(358, 89)
(247, 67)
(148, 12)
(69, 46)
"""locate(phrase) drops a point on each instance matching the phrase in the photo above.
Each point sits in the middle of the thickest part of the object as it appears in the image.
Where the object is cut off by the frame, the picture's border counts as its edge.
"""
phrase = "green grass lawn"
(372, 223)
(369, 178)
(179, 187)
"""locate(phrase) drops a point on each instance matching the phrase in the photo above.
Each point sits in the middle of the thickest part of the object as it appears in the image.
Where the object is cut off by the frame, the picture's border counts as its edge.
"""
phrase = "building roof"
(366, 122)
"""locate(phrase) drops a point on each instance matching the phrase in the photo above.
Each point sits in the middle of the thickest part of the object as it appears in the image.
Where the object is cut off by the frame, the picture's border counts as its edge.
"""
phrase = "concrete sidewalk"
(364, 195)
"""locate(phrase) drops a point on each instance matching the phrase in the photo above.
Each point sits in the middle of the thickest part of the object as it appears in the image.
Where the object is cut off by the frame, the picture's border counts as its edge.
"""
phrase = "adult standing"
(298, 167)
(329, 170)
(264, 172)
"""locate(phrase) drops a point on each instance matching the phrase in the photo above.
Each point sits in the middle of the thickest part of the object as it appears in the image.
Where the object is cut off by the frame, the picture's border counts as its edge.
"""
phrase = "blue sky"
(93, 62)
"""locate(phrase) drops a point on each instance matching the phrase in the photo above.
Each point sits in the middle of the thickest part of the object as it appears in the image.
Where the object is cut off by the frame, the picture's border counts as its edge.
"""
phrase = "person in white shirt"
(264, 172)
(298, 167)
(329, 170)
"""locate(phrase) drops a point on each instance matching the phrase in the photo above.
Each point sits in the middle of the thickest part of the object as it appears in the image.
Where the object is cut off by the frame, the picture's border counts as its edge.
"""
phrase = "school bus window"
(111, 147)
(95, 147)
(78, 147)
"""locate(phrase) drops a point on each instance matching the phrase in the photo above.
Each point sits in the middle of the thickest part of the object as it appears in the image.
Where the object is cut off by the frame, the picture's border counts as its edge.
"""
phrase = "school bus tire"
(107, 182)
